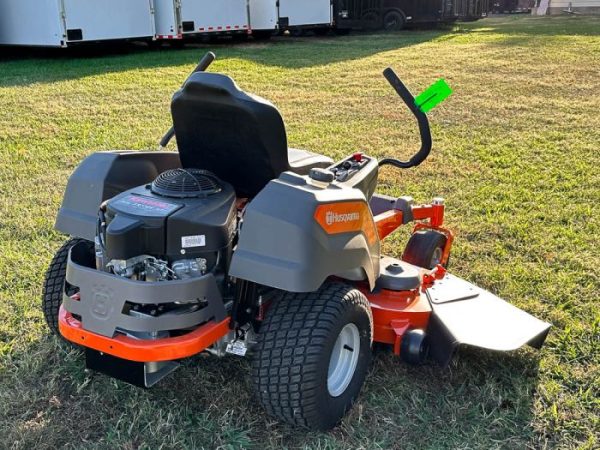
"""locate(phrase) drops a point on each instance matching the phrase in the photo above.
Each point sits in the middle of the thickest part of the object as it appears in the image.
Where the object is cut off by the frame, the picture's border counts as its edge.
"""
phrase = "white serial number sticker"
(193, 241)
(236, 348)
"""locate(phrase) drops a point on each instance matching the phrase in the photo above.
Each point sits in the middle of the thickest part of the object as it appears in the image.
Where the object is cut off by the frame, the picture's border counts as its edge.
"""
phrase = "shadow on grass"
(531, 26)
(50, 401)
(21, 66)
(26, 66)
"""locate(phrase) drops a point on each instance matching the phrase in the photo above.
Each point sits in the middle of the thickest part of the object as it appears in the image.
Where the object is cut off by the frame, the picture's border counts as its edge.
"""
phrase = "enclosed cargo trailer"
(271, 15)
(305, 13)
(178, 18)
(392, 14)
(470, 10)
(264, 16)
(59, 23)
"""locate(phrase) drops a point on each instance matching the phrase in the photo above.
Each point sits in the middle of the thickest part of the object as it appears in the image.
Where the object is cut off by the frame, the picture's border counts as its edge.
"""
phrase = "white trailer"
(264, 15)
(177, 18)
(58, 23)
(272, 15)
(305, 13)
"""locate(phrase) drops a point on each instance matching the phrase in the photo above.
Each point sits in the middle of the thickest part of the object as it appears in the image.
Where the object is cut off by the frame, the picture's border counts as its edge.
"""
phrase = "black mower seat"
(239, 137)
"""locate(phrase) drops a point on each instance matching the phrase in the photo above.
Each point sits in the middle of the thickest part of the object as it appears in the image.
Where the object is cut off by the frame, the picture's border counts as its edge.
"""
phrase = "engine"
(181, 225)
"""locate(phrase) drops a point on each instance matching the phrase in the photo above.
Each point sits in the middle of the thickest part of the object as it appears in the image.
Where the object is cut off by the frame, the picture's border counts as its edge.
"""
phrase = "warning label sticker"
(193, 241)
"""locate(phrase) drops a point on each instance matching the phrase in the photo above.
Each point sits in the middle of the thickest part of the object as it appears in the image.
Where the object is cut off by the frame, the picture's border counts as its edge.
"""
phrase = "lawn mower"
(237, 244)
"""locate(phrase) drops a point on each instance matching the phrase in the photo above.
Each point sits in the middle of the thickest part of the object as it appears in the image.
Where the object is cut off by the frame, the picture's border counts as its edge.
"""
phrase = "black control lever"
(206, 61)
(424, 130)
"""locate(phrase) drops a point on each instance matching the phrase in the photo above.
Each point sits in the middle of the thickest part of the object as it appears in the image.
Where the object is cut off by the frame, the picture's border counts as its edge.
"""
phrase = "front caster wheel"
(425, 249)
(414, 348)
(313, 354)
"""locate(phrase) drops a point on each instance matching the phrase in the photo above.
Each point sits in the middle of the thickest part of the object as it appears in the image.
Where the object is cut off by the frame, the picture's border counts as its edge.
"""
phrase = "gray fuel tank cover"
(397, 275)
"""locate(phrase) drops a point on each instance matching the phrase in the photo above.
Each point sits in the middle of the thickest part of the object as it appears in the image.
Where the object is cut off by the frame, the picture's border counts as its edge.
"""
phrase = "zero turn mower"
(238, 244)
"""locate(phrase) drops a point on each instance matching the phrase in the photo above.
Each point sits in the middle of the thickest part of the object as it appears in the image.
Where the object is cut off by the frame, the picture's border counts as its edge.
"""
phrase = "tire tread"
(291, 343)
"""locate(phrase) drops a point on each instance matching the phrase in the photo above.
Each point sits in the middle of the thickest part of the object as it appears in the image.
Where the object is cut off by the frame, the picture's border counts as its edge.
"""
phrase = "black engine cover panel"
(140, 222)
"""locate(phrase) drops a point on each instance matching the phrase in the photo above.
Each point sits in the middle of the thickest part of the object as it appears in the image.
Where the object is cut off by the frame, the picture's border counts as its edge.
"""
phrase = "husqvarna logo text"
(332, 217)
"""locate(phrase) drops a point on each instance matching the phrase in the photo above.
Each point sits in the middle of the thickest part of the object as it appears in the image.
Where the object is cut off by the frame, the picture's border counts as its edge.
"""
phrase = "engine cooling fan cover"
(186, 183)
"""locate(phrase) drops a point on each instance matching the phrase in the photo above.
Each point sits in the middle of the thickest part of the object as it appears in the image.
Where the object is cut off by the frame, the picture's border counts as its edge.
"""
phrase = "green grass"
(516, 157)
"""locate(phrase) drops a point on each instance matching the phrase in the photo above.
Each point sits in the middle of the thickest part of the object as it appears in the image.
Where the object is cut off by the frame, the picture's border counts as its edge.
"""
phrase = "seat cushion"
(239, 137)
(301, 161)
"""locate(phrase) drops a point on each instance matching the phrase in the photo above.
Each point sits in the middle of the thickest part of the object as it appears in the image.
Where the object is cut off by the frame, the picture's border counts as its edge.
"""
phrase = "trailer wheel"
(414, 347)
(394, 21)
(321, 31)
(177, 44)
(371, 21)
(262, 35)
(425, 249)
(54, 283)
(312, 355)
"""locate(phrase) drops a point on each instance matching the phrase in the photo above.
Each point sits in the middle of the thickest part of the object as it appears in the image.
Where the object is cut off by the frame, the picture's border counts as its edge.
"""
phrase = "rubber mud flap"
(464, 314)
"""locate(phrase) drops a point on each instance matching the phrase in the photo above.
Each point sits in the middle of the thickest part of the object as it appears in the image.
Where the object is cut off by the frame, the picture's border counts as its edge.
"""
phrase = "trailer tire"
(425, 249)
(54, 283)
(394, 20)
(305, 370)
(321, 31)
(262, 35)
(177, 44)
(370, 21)
(342, 31)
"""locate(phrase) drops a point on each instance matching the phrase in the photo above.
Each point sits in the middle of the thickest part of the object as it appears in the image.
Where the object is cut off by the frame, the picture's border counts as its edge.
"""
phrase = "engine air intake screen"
(186, 183)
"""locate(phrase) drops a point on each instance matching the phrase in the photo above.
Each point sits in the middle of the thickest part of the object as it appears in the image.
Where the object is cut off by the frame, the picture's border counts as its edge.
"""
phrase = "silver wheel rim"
(343, 360)
(437, 257)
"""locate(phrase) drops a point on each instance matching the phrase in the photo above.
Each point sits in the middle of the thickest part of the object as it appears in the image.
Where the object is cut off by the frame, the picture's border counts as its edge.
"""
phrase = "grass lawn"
(516, 155)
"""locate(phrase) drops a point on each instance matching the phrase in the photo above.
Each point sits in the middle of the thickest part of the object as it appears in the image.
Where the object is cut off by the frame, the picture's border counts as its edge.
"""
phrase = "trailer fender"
(100, 177)
(295, 235)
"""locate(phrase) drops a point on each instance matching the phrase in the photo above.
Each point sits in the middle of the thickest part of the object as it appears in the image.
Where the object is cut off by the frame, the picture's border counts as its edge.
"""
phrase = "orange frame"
(125, 347)
(389, 221)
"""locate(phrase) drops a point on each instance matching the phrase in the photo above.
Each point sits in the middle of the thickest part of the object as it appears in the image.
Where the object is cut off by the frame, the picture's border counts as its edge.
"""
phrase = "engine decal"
(146, 206)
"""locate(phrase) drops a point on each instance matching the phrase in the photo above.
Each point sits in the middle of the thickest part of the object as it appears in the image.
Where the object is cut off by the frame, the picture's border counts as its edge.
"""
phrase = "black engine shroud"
(188, 213)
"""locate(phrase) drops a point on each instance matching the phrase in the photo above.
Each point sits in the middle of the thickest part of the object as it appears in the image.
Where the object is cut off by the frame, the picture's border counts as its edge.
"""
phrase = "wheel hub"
(343, 360)
(437, 257)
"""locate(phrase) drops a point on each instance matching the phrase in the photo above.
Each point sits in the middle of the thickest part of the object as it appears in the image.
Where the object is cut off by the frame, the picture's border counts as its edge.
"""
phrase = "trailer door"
(93, 20)
(306, 12)
(167, 20)
(214, 16)
(31, 22)
(263, 14)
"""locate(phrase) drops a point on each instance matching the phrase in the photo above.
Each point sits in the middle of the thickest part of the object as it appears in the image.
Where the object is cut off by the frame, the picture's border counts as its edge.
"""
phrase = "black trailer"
(471, 10)
(391, 14)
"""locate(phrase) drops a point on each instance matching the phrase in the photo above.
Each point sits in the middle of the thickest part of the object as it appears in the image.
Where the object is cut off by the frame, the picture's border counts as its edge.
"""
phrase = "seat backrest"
(239, 137)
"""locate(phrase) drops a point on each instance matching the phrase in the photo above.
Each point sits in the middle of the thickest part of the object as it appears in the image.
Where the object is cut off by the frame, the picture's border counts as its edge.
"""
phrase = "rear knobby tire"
(296, 342)
(54, 283)
(425, 249)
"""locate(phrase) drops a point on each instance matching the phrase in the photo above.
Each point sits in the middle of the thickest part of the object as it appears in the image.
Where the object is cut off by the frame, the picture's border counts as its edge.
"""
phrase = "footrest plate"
(140, 374)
